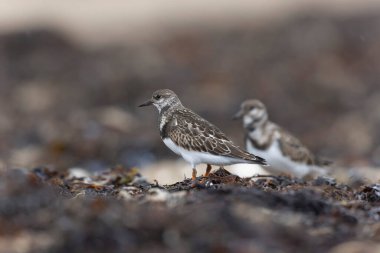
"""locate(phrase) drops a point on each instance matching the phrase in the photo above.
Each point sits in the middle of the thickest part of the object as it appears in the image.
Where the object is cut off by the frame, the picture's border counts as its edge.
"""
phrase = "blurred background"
(72, 75)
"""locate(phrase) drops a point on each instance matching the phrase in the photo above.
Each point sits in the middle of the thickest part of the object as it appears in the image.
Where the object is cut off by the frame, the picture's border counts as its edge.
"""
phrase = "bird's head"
(163, 99)
(252, 112)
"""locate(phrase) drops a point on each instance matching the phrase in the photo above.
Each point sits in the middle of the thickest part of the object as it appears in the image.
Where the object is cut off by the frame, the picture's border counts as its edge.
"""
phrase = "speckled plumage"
(264, 137)
(191, 132)
(194, 138)
(296, 151)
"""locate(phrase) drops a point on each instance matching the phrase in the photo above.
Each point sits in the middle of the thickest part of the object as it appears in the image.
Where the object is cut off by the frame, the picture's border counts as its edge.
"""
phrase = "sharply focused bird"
(194, 138)
(284, 152)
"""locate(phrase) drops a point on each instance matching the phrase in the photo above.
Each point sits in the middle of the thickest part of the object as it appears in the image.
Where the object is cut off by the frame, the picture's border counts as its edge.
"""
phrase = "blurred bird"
(284, 152)
(194, 138)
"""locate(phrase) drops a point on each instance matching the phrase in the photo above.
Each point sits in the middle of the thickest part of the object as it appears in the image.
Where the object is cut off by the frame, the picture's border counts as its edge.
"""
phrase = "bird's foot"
(206, 175)
(200, 184)
(194, 180)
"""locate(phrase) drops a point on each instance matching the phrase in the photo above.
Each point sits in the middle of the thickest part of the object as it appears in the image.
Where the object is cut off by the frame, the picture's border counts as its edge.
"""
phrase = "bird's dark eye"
(157, 97)
(252, 107)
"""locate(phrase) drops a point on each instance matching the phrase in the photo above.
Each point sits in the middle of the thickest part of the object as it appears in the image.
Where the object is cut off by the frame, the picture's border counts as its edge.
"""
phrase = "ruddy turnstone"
(284, 152)
(194, 138)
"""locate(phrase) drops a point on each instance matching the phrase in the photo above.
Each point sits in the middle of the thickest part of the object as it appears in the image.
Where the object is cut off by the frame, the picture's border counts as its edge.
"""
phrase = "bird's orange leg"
(194, 182)
(208, 170)
(194, 175)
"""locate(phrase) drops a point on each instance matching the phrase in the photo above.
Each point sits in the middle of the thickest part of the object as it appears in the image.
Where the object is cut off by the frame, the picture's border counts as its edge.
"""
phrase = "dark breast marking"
(267, 143)
(256, 144)
(164, 131)
(166, 128)
(164, 109)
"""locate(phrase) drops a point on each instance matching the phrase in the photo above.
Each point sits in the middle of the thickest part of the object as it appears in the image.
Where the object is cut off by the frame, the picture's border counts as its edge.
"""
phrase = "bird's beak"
(238, 115)
(147, 103)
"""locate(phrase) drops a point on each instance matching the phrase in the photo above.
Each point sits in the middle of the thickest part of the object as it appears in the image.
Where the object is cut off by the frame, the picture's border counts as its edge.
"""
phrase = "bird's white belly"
(279, 162)
(195, 157)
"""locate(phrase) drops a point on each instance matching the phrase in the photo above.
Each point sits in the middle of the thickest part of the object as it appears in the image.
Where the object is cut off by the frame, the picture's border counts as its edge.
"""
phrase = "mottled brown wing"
(194, 133)
(294, 149)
